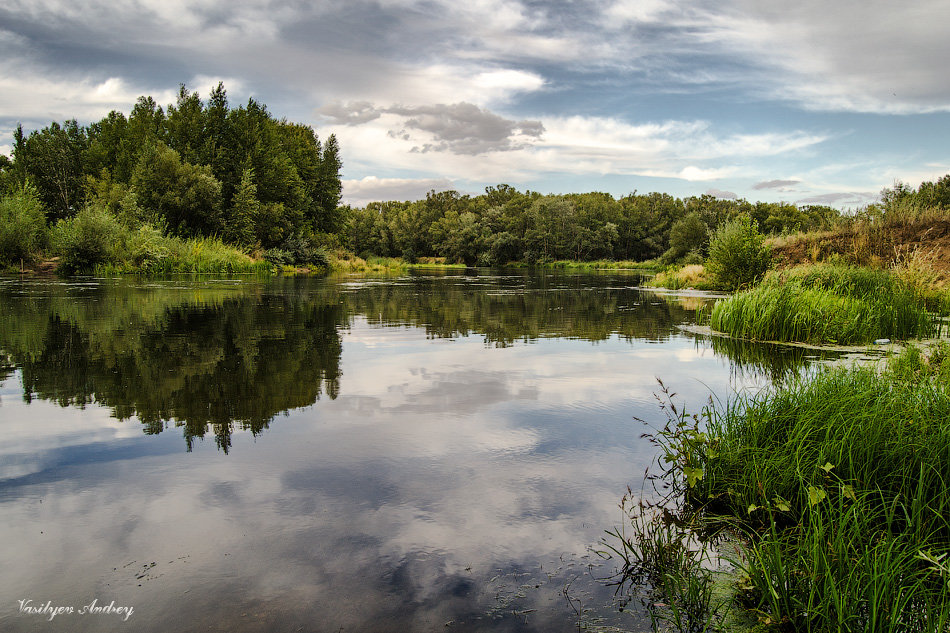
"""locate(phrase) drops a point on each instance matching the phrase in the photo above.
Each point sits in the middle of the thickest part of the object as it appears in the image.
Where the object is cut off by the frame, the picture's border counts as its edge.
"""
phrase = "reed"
(828, 304)
(147, 251)
(828, 494)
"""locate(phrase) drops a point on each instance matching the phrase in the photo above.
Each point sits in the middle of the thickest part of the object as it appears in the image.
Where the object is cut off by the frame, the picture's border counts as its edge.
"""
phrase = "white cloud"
(688, 150)
(44, 99)
(691, 172)
(369, 189)
(872, 57)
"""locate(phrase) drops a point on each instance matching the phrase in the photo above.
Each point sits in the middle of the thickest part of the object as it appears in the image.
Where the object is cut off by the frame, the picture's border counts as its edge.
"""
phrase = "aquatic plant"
(827, 304)
(828, 495)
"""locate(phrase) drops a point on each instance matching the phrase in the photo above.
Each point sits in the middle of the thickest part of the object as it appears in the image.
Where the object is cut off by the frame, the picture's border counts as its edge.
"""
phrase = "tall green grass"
(840, 483)
(827, 304)
(147, 251)
(829, 495)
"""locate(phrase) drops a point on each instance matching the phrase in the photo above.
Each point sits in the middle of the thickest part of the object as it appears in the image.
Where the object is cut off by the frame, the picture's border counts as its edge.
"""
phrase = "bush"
(23, 232)
(738, 255)
(87, 239)
(298, 250)
(147, 249)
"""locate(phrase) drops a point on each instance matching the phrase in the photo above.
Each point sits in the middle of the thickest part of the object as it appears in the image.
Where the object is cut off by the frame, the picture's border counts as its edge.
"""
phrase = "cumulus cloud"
(460, 128)
(369, 189)
(500, 89)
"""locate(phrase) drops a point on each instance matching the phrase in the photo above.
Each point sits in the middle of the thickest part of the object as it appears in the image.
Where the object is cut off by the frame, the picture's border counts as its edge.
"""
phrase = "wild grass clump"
(346, 262)
(94, 241)
(599, 264)
(820, 304)
(829, 495)
(839, 482)
(679, 278)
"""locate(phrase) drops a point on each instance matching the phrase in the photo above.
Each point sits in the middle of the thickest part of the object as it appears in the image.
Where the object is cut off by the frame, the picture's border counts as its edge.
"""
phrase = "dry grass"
(691, 276)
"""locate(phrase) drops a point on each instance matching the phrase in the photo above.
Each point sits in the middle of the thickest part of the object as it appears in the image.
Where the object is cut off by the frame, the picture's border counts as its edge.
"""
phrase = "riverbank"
(820, 505)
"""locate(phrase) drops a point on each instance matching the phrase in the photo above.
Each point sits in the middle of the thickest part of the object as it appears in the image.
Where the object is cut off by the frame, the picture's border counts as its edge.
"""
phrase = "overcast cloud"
(681, 96)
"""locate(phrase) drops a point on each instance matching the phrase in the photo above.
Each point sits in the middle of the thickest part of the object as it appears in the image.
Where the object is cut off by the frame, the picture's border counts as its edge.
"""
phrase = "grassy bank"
(601, 264)
(833, 493)
(679, 278)
(831, 303)
(147, 252)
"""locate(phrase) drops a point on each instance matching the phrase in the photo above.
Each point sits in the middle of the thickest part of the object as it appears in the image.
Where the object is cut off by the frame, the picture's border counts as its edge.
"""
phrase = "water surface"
(430, 452)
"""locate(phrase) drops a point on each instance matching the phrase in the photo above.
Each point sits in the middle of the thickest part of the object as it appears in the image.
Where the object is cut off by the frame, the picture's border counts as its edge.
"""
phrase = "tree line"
(192, 169)
(504, 225)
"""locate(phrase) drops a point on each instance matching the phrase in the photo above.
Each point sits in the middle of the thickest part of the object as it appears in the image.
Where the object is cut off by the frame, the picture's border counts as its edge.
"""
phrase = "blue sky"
(812, 101)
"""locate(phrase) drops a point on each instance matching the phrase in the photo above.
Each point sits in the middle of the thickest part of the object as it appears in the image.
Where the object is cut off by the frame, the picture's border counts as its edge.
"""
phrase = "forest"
(140, 186)
(505, 225)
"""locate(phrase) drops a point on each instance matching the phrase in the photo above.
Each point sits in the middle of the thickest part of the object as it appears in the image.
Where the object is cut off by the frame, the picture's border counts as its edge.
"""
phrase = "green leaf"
(827, 467)
(816, 495)
(752, 508)
(693, 475)
(781, 504)
(848, 491)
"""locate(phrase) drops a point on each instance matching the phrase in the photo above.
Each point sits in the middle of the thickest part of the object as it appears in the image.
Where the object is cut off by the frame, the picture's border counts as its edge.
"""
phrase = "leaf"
(781, 504)
(827, 467)
(848, 491)
(816, 495)
(693, 475)
(752, 508)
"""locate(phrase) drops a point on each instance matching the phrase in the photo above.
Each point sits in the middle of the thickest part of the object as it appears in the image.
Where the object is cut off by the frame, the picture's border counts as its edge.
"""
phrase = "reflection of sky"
(443, 470)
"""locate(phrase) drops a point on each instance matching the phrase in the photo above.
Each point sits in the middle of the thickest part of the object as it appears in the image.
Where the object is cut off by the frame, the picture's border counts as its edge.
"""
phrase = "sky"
(812, 102)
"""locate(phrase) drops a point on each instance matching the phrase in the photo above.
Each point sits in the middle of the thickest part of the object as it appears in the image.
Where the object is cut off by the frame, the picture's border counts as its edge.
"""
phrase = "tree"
(689, 233)
(186, 196)
(185, 125)
(52, 159)
(330, 188)
(245, 209)
(738, 255)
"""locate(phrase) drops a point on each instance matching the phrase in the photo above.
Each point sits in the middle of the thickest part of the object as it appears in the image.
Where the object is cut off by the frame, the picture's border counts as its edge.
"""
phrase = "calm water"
(421, 453)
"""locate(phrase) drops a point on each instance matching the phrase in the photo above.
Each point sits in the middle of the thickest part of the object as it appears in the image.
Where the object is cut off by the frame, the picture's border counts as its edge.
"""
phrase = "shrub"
(147, 249)
(87, 239)
(738, 255)
(23, 231)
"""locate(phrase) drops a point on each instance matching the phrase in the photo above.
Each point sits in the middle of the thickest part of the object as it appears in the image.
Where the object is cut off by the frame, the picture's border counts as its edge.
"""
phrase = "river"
(426, 452)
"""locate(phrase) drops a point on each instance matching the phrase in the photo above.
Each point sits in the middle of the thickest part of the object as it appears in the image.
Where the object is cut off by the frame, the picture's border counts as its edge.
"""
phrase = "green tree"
(52, 159)
(245, 209)
(185, 126)
(187, 197)
(330, 189)
(689, 233)
(738, 255)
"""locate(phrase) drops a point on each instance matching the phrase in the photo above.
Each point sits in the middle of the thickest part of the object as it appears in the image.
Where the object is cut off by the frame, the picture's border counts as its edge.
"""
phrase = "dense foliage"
(738, 255)
(193, 170)
(505, 225)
